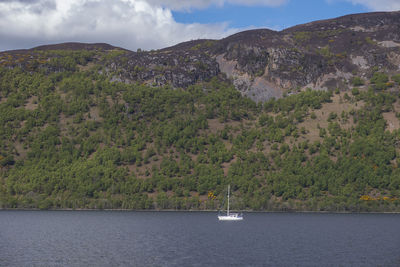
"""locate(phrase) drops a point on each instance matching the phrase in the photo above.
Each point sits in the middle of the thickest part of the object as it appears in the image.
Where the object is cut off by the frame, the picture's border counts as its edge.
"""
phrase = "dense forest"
(72, 137)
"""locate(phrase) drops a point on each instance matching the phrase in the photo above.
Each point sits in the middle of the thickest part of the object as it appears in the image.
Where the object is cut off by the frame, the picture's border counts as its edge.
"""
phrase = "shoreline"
(208, 211)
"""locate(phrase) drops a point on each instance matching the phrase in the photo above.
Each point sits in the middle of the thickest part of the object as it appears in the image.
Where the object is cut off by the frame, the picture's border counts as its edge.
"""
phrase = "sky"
(154, 24)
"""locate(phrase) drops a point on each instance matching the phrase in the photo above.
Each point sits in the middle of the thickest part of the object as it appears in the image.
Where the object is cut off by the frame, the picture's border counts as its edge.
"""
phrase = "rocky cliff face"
(262, 63)
(320, 55)
(178, 66)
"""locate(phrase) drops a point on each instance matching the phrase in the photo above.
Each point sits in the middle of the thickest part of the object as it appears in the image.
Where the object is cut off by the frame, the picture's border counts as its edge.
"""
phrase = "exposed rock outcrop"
(261, 63)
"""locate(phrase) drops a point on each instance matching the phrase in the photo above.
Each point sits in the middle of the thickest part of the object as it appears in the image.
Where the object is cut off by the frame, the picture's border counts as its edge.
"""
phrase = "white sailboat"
(230, 216)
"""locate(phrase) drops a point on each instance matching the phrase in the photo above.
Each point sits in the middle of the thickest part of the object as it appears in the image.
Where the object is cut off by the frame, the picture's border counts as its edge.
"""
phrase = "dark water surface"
(111, 238)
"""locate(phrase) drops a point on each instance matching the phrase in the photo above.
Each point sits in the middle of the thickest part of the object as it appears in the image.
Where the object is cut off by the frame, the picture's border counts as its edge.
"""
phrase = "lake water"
(112, 238)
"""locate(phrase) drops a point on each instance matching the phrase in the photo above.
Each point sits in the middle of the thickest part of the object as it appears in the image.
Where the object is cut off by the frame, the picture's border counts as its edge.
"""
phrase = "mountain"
(262, 63)
(301, 119)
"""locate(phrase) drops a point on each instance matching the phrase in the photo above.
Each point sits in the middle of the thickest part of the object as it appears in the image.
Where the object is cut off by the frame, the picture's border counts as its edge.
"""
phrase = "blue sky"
(292, 13)
(154, 24)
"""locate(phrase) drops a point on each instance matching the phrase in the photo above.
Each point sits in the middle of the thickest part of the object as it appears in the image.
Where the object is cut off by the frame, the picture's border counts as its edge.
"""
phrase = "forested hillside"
(73, 137)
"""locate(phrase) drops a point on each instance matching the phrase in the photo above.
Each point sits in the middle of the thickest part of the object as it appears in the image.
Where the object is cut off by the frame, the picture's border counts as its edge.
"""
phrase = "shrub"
(355, 91)
(379, 77)
(357, 81)
(396, 78)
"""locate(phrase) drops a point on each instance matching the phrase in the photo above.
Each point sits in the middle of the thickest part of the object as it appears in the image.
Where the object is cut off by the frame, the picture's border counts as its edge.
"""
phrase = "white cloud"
(379, 5)
(189, 4)
(258, 2)
(130, 24)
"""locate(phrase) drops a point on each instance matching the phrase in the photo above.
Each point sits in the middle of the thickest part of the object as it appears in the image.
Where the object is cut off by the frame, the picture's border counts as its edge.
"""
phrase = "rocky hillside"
(262, 63)
(97, 126)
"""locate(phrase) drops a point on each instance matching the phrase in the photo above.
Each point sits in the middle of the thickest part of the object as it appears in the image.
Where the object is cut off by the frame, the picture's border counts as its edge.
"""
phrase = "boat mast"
(229, 189)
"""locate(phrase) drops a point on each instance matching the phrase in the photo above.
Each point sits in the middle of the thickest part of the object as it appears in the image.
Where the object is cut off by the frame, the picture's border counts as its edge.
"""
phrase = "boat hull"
(230, 218)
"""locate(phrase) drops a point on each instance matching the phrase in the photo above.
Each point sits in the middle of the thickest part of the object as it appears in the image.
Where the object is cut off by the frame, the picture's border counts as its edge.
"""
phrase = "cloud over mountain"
(128, 23)
(132, 24)
(381, 5)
